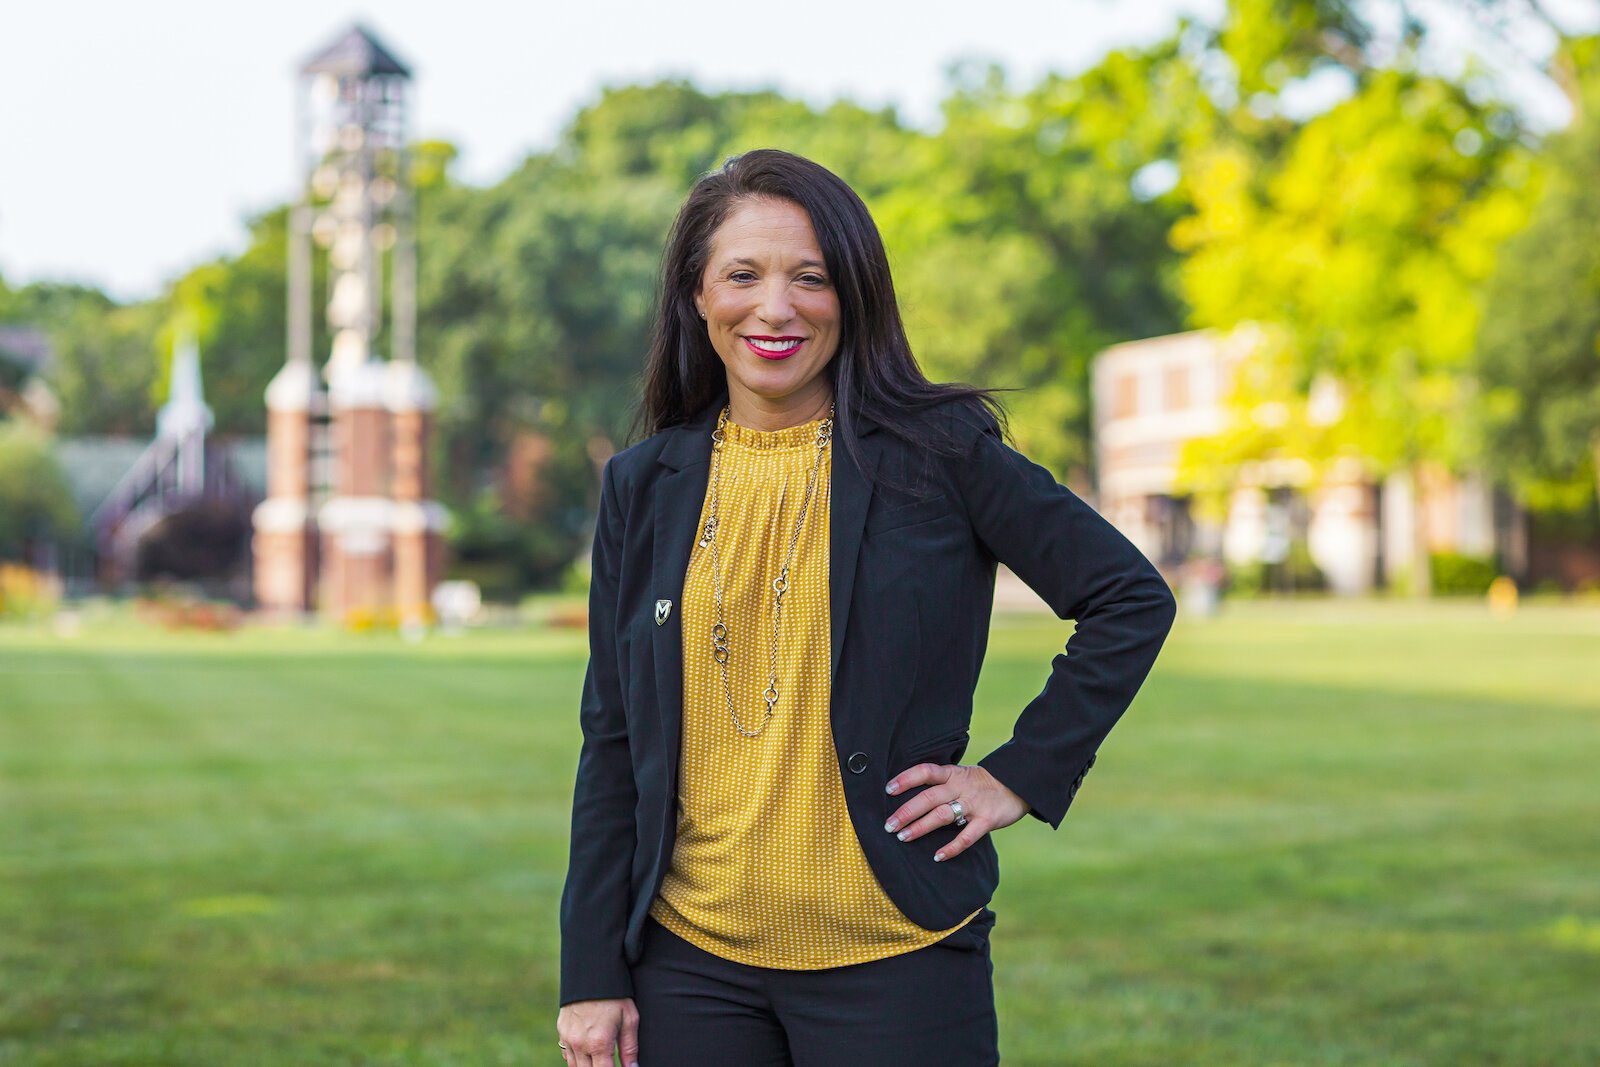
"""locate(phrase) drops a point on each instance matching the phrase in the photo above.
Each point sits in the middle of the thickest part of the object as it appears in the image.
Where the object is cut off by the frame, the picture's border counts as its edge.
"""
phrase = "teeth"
(773, 346)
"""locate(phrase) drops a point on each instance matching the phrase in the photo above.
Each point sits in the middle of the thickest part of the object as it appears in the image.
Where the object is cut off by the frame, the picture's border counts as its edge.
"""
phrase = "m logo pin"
(663, 609)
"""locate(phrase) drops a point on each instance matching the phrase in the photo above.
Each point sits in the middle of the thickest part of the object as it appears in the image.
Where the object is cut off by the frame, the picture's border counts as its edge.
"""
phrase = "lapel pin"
(663, 609)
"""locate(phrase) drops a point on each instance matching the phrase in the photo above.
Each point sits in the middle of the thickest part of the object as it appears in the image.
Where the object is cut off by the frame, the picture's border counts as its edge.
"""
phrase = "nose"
(775, 308)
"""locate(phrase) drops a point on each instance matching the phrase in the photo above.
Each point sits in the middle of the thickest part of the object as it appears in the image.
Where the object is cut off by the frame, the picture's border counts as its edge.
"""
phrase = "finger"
(970, 835)
(941, 814)
(595, 1058)
(918, 806)
(629, 1045)
(921, 774)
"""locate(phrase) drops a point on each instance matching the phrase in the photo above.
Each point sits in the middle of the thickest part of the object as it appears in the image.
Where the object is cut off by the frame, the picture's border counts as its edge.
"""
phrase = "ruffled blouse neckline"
(803, 435)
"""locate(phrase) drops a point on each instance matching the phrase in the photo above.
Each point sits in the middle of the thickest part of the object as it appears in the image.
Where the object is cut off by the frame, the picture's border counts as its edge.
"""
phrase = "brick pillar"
(418, 520)
(356, 519)
(284, 545)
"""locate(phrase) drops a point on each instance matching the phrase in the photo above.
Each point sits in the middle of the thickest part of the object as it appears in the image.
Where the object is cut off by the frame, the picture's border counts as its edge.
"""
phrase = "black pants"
(931, 1006)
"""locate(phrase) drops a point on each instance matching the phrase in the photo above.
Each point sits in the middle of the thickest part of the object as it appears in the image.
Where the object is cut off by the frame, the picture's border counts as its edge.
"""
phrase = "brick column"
(284, 545)
(356, 519)
(418, 520)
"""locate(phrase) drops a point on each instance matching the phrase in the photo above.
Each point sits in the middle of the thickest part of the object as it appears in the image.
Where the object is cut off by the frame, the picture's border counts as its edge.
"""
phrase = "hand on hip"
(956, 793)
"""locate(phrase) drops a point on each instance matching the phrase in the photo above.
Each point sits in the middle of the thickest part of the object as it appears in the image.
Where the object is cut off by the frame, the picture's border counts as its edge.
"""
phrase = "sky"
(137, 138)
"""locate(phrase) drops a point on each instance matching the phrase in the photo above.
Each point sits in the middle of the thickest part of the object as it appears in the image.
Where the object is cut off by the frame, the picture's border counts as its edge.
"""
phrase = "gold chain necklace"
(780, 584)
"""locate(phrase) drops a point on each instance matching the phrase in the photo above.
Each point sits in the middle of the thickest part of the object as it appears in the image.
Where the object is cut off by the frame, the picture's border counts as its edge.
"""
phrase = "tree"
(1032, 231)
(236, 307)
(35, 499)
(1368, 245)
(103, 364)
(1538, 355)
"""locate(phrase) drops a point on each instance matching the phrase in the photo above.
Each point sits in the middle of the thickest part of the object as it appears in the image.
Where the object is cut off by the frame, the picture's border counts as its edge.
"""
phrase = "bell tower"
(349, 527)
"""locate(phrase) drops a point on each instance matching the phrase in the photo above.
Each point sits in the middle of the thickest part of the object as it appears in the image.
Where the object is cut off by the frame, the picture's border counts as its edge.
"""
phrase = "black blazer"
(911, 584)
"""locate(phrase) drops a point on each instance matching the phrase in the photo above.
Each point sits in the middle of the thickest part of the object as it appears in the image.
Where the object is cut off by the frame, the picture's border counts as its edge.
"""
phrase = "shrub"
(1456, 574)
(35, 500)
(26, 593)
(1296, 574)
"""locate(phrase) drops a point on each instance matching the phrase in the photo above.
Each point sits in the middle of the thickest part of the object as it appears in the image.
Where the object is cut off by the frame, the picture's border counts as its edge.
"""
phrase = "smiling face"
(772, 314)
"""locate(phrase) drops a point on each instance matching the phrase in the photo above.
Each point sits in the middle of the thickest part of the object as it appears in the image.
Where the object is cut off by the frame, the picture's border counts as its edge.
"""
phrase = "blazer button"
(858, 762)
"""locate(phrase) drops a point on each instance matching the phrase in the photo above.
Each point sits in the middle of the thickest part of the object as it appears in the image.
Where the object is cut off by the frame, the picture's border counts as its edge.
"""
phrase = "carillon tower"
(349, 527)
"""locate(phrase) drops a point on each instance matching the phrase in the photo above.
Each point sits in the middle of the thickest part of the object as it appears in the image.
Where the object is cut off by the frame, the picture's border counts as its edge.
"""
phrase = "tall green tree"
(1032, 231)
(236, 307)
(103, 366)
(1538, 356)
(1366, 249)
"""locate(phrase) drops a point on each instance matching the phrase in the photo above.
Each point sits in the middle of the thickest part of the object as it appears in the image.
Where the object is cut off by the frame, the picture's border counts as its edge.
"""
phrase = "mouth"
(774, 347)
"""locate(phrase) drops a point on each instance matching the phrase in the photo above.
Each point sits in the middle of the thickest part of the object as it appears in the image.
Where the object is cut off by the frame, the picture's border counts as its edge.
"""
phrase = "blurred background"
(317, 326)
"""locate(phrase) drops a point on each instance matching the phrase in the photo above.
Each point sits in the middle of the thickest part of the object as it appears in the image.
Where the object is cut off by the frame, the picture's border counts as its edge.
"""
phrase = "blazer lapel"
(849, 495)
(680, 493)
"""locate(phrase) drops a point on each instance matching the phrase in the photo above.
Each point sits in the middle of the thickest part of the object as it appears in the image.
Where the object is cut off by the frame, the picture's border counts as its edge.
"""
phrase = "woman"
(777, 855)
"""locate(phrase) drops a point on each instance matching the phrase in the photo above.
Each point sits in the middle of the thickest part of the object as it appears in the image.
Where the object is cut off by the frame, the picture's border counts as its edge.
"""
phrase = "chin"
(776, 390)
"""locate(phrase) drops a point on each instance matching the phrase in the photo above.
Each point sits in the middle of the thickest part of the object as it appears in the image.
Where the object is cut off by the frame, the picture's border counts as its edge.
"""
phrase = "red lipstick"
(775, 347)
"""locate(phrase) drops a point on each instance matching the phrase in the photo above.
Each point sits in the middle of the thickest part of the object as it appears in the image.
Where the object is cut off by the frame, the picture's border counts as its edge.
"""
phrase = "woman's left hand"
(988, 804)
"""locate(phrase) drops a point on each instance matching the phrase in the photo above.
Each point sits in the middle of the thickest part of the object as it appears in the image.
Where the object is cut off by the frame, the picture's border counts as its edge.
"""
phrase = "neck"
(759, 413)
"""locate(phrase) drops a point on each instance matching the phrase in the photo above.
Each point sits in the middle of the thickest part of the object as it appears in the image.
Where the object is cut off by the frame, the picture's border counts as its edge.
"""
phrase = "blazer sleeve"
(1086, 570)
(594, 901)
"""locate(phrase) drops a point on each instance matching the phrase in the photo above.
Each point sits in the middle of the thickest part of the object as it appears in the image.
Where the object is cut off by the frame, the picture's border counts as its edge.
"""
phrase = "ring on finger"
(960, 812)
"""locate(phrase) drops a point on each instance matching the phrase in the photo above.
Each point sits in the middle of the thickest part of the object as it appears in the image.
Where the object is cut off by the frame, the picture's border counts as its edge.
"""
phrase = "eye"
(813, 279)
(741, 276)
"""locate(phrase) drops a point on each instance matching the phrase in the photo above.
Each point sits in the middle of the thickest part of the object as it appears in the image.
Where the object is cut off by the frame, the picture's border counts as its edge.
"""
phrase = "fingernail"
(938, 857)
(892, 825)
(902, 834)
(892, 788)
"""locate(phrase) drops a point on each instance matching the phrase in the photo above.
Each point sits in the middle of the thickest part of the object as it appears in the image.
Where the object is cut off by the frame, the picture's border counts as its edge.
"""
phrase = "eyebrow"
(748, 262)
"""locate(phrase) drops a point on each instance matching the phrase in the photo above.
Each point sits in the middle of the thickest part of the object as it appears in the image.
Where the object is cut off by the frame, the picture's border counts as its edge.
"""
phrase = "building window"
(1125, 396)
(1175, 388)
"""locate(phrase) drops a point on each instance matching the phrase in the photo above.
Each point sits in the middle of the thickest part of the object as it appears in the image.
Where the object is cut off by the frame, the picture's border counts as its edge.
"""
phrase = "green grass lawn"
(1326, 833)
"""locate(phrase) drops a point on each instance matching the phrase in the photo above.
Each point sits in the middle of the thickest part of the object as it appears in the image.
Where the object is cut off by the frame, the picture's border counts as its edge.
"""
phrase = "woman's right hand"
(591, 1029)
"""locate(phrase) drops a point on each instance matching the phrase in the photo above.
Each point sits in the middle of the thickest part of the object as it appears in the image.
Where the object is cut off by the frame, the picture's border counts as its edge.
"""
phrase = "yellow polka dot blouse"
(766, 869)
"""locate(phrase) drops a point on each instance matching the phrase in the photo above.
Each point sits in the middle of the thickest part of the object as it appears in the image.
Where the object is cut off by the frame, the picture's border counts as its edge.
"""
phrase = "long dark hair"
(873, 373)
